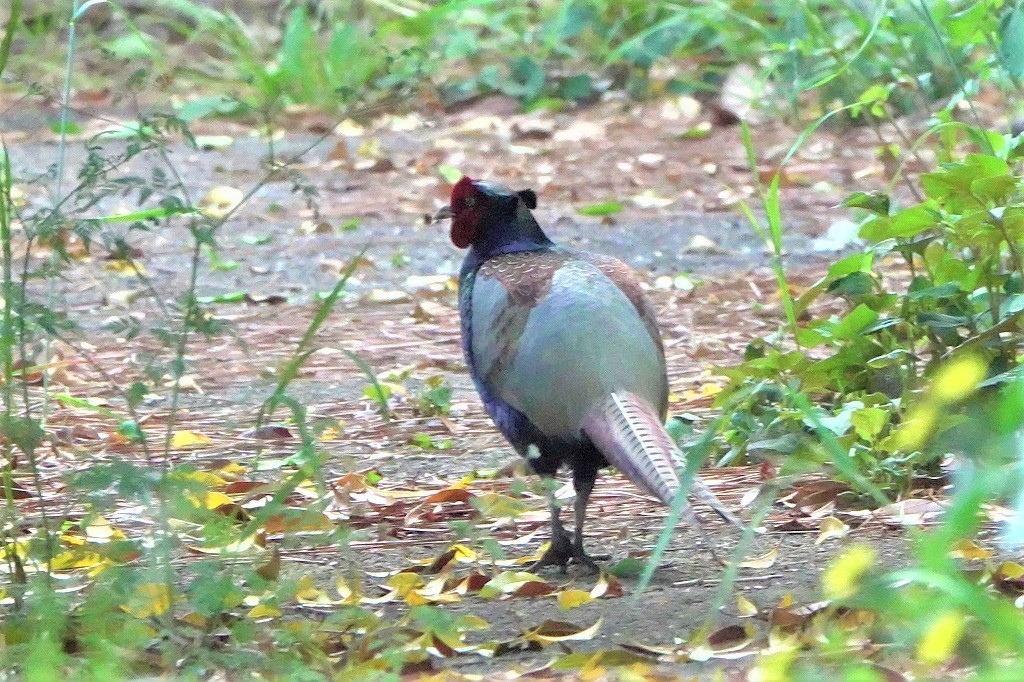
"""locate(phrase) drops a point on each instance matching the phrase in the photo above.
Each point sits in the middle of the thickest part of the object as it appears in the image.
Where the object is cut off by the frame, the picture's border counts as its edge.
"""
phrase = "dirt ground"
(680, 214)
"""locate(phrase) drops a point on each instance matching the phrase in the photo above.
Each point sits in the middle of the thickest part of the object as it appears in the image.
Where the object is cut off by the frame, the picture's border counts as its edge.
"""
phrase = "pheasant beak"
(443, 213)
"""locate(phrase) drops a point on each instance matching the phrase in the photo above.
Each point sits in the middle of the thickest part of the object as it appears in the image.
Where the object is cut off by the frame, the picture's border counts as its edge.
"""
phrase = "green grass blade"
(302, 351)
(12, 25)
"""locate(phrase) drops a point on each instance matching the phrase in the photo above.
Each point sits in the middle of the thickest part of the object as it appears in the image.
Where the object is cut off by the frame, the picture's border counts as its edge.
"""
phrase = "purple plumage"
(565, 352)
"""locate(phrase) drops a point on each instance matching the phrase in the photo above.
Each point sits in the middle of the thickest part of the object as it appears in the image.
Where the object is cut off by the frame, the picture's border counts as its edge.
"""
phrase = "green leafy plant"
(954, 286)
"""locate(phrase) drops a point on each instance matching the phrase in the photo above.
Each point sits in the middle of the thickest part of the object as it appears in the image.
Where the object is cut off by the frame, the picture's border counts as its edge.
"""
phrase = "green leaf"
(1011, 43)
(27, 434)
(952, 185)
(677, 428)
(883, 323)
(601, 209)
(379, 392)
(868, 422)
(230, 297)
(574, 19)
(627, 568)
(840, 423)
(130, 429)
(577, 88)
(854, 322)
(996, 191)
(257, 239)
(68, 128)
(857, 262)
(947, 290)
(526, 79)
(204, 107)
(146, 214)
(876, 202)
(854, 285)
(451, 174)
(130, 46)
(136, 393)
(905, 224)
(426, 442)
(216, 262)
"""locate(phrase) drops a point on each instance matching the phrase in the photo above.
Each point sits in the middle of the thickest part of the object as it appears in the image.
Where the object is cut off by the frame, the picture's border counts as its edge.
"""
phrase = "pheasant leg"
(567, 548)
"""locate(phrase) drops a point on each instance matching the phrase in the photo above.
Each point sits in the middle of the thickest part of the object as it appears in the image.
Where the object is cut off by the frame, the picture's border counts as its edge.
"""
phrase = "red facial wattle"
(465, 211)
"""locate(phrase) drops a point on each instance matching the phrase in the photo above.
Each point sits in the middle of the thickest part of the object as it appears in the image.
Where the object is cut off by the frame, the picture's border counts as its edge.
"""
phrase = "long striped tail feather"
(631, 436)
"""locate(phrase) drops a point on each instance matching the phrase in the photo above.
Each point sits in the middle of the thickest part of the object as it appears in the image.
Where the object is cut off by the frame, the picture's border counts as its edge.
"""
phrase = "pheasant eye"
(469, 201)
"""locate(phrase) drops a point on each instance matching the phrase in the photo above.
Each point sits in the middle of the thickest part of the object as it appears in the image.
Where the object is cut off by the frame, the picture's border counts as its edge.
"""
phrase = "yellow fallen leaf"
(261, 611)
(507, 582)
(704, 391)
(463, 554)
(308, 593)
(765, 560)
(969, 550)
(570, 599)
(420, 597)
(745, 607)
(231, 470)
(606, 585)
(938, 643)
(857, 619)
(125, 268)
(186, 382)
(68, 561)
(150, 599)
(220, 201)
(194, 619)
(1010, 570)
(187, 439)
(342, 586)
(99, 529)
(404, 582)
(211, 499)
(331, 433)
(831, 527)
(72, 539)
(206, 478)
(240, 547)
(415, 598)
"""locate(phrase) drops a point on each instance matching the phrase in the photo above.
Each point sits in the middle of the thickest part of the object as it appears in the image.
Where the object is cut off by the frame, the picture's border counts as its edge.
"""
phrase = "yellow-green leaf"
(188, 439)
(570, 599)
(150, 599)
(68, 561)
(261, 611)
(969, 550)
(745, 607)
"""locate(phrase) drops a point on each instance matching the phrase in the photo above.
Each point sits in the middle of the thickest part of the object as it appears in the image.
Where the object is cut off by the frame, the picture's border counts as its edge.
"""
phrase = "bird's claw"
(563, 552)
